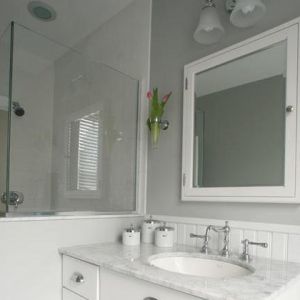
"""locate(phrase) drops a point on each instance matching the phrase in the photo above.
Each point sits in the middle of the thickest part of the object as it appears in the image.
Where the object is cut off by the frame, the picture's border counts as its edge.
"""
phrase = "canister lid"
(151, 221)
(164, 227)
(132, 229)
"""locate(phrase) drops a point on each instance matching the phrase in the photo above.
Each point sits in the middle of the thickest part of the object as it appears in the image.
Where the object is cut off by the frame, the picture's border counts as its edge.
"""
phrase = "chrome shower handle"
(14, 198)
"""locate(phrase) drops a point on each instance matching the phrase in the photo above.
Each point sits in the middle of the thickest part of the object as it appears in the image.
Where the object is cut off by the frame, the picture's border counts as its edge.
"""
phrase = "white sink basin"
(200, 266)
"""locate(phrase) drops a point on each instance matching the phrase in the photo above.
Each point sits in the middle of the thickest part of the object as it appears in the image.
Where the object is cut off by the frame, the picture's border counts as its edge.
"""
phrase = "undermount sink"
(210, 267)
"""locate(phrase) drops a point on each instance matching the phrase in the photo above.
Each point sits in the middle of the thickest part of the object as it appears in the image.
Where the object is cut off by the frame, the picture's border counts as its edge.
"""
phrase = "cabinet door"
(240, 115)
(87, 287)
(68, 295)
(115, 286)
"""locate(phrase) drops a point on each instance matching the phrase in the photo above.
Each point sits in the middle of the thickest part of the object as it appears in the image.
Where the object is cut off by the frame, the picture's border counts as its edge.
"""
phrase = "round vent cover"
(41, 11)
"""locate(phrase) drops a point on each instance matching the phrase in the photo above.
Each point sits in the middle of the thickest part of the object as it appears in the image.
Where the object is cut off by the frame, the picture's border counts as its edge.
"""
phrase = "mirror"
(239, 127)
(240, 122)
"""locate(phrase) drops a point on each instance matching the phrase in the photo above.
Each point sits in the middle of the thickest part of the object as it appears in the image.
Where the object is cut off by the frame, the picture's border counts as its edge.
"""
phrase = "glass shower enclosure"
(68, 130)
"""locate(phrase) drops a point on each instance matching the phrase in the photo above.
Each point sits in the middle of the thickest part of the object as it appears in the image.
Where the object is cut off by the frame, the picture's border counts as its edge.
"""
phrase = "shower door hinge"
(186, 83)
(183, 179)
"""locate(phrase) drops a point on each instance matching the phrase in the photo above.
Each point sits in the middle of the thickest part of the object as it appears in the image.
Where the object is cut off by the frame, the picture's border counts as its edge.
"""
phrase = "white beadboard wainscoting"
(30, 265)
(283, 240)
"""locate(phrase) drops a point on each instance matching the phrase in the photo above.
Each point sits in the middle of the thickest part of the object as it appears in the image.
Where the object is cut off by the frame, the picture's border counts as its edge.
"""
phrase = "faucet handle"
(198, 236)
(205, 249)
(245, 255)
(264, 245)
(246, 242)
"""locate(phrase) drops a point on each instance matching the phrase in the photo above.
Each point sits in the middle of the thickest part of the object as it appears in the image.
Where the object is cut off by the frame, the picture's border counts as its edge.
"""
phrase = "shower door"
(73, 141)
(5, 94)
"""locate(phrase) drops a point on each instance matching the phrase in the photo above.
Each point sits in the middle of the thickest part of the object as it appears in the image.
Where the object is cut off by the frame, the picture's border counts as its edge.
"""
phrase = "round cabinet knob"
(290, 108)
(77, 277)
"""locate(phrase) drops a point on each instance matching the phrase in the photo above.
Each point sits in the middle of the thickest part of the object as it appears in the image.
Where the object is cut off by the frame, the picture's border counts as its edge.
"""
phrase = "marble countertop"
(269, 280)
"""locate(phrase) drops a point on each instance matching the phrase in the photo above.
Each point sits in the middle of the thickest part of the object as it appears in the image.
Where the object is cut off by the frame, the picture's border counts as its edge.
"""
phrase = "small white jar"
(164, 236)
(131, 236)
(148, 230)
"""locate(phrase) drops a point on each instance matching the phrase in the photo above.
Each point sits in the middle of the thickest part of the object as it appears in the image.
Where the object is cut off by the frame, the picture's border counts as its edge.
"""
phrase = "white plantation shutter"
(88, 153)
(84, 153)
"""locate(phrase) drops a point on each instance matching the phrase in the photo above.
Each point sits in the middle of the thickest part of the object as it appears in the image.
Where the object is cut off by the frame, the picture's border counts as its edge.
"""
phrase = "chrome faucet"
(226, 229)
(205, 249)
(245, 255)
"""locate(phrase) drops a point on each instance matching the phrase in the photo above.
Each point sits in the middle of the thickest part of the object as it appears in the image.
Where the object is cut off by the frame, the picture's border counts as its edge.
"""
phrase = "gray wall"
(173, 23)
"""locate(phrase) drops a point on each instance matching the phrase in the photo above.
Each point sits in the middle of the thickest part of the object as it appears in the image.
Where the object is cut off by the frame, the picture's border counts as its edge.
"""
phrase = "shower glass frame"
(138, 154)
(6, 39)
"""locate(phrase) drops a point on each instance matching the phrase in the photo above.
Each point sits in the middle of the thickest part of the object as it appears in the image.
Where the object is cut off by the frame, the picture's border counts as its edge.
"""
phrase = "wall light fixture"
(243, 14)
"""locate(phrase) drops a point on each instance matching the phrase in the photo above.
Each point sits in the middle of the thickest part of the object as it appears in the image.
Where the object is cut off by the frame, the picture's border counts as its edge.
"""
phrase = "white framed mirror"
(240, 121)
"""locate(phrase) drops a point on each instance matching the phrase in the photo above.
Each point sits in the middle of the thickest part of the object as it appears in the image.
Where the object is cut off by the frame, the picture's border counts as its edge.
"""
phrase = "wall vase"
(155, 125)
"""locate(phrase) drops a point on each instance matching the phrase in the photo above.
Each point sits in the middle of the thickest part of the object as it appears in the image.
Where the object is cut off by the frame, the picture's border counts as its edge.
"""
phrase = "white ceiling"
(75, 18)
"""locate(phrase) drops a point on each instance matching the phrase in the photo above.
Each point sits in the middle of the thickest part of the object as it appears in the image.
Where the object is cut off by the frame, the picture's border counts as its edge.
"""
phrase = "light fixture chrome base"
(230, 5)
(163, 124)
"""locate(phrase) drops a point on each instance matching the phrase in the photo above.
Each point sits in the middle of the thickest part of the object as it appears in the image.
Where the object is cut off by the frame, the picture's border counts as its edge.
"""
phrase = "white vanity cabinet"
(80, 280)
(68, 295)
(96, 284)
(99, 283)
(115, 286)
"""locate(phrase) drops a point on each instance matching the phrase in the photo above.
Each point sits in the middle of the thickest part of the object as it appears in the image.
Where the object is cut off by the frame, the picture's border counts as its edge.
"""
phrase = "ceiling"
(75, 18)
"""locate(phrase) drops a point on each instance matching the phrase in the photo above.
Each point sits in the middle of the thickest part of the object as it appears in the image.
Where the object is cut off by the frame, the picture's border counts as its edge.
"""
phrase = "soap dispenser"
(148, 230)
(131, 236)
(164, 236)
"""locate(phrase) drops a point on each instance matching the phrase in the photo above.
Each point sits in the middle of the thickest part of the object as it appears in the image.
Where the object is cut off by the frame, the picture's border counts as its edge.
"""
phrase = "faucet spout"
(226, 229)
(204, 249)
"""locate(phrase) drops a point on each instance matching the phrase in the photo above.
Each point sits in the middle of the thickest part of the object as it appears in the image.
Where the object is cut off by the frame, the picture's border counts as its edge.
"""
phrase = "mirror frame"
(287, 193)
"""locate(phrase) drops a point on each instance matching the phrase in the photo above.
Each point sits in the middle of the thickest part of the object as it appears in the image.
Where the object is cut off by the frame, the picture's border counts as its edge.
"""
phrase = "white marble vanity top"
(270, 279)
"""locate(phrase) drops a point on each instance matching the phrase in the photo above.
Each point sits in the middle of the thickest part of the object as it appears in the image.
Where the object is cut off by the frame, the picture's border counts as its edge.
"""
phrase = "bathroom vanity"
(114, 271)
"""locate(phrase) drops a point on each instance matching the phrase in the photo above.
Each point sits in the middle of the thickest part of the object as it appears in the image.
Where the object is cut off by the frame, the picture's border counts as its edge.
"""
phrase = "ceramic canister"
(164, 236)
(131, 236)
(148, 230)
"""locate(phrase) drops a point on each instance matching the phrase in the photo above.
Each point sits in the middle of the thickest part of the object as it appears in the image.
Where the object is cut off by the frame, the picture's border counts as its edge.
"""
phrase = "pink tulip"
(166, 97)
(149, 95)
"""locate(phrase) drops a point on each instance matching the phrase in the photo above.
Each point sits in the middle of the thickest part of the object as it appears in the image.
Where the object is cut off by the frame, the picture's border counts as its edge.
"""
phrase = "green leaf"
(155, 96)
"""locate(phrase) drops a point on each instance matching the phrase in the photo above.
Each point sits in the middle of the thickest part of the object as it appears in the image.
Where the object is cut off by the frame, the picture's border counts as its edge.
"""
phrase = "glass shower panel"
(74, 149)
(5, 43)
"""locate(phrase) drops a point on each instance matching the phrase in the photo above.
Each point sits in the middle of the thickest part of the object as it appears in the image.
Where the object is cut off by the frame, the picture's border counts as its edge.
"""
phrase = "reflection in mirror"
(239, 128)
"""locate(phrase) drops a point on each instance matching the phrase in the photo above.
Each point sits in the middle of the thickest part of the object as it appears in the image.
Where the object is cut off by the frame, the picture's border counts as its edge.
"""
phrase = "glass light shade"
(210, 29)
(247, 13)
